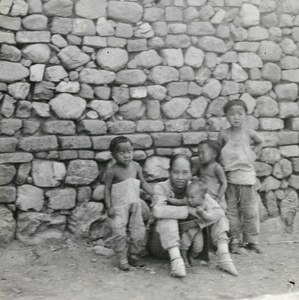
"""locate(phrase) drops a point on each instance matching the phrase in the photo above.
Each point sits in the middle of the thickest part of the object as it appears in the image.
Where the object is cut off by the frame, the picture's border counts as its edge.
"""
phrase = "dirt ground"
(71, 270)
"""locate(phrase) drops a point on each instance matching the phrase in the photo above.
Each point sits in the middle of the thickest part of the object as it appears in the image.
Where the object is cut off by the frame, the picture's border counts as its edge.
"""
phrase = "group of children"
(225, 181)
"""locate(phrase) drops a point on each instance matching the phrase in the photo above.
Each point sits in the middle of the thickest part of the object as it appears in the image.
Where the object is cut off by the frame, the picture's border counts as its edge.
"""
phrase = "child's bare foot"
(193, 262)
(187, 264)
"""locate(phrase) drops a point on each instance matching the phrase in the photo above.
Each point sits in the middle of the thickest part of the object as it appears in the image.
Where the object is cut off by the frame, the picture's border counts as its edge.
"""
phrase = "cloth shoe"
(254, 246)
(123, 265)
(225, 263)
(234, 247)
(135, 261)
(178, 267)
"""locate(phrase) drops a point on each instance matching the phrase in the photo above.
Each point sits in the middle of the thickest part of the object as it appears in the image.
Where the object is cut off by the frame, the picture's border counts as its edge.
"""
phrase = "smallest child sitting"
(123, 204)
(191, 233)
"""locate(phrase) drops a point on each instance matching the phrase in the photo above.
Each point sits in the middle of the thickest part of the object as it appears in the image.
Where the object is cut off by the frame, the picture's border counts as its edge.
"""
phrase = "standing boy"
(237, 156)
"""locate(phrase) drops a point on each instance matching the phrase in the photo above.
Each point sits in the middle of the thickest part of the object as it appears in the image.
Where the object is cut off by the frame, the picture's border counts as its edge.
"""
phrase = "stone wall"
(73, 74)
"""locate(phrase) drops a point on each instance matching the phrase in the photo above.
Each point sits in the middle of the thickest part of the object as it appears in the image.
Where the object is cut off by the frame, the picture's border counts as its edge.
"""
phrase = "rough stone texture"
(11, 72)
(72, 57)
(163, 74)
(61, 8)
(156, 167)
(112, 59)
(7, 225)
(30, 197)
(105, 109)
(175, 107)
(61, 198)
(83, 216)
(47, 173)
(91, 9)
(124, 11)
(67, 106)
(7, 172)
(93, 76)
(81, 172)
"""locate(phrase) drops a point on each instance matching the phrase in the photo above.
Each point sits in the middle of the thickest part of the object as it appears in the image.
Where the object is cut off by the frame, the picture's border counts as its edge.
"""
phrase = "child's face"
(180, 173)
(206, 154)
(124, 153)
(196, 196)
(236, 116)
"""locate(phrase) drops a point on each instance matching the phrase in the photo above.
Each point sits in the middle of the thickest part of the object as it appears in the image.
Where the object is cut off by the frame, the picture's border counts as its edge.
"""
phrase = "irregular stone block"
(262, 169)
(138, 92)
(282, 169)
(149, 126)
(92, 127)
(67, 106)
(10, 53)
(134, 110)
(137, 45)
(59, 8)
(156, 167)
(75, 142)
(93, 76)
(61, 198)
(35, 228)
(257, 33)
(200, 28)
(270, 155)
(72, 57)
(166, 139)
(105, 109)
(44, 90)
(194, 57)
(173, 57)
(266, 106)
(148, 59)
(271, 204)
(287, 138)
(11, 72)
(37, 53)
(238, 73)
(7, 172)
(157, 92)
(269, 51)
(175, 107)
(270, 183)
(286, 92)
(19, 8)
(271, 72)
(292, 123)
(144, 30)
(68, 87)
(173, 14)
(291, 7)
(10, 23)
(288, 109)
(16, 157)
(271, 124)
(197, 107)
(61, 25)
(35, 22)
(47, 173)
(8, 144)
(26, 37)
(212, 88)
(82, 172)
(250, 15)
(55, 73)
(10, 126)
(23, 109)
(213, 44)
(23, 173)
(91, 9)
(177, 89)
(131, 77)
(250, 60)
(83, 216)
(5, 6)
(124, 11)
(82, 27)
(103, 156)
(289, 151)
(7, 224)
(152, 14)
(178, 41)
(121, 127)
(112, 59)
(193, 138)
(8, 194)
(257, 88)
(30, 198)
(178, 125)
(19, 90)
(294, 181)
(163, 74)
(35, 143)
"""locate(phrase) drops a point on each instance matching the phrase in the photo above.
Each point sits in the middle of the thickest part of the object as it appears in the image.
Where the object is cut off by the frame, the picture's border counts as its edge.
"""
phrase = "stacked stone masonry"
(76, 73)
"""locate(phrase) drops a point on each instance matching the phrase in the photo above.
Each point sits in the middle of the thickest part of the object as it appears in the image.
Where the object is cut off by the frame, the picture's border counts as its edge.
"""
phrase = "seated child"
(211, 172)
(191, 237)
(123, 204)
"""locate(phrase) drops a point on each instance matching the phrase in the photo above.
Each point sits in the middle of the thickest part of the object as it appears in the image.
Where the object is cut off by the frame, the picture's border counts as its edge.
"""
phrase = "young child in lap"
(191, 235)
(123, 204)
(237, 158)
(211, 172)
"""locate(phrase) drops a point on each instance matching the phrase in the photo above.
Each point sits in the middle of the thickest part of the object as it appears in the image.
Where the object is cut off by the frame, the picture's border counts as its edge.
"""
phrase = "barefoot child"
(237, 158)
(207, 210)
(211, 172)
(123, 203)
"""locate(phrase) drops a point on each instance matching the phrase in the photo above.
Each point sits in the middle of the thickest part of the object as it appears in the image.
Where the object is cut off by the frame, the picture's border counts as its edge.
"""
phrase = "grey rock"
(175, 107)
(121, 127)
(61, 198)
(19, 90)
(257, 88)
(10, 23)
(44, 90)
(133, 110)
(156, 167)
(10, 53)
(282, 169)
(82, 172)
(66, 106)
(286, 92)
(266, 106)
(92, 127)
(112, 59)
(7, 225)
(197, 107)
(91, 9)
(131, 77)
(127, 12)
(213, 44)
(105, 109)
(8, 144)
(30, 197)
(35, 22)
(23, 172)
(93, 76)
(10, 126)
(163, 74)
(59, 8)
(23, 109)
(7, 172)
(72, 57)
(16, 157)
(212, 88)
(36, 143)
(37, 53)
(12, 72)
(8, 194)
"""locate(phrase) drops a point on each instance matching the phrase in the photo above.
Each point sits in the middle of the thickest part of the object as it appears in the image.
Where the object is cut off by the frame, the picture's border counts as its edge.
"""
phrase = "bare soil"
(71, 270)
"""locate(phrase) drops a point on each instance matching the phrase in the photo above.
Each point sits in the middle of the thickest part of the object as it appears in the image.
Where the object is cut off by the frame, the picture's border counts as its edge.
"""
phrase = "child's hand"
(199, 210)
(110, 212)
(154, 199)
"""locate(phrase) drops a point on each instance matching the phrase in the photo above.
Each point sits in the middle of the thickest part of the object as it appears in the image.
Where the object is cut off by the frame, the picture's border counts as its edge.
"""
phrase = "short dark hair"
(212, 144)
(116, 141)
(199, 184)
(234, 102)
(178, 156)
